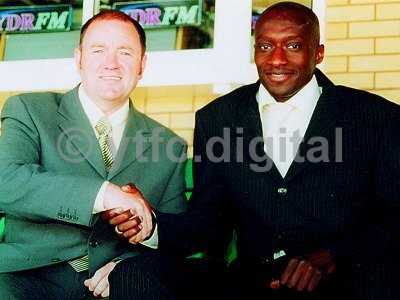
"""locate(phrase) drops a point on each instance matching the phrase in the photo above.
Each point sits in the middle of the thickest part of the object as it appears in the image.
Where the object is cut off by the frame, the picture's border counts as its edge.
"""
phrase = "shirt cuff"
(152, 242)
(99, 202)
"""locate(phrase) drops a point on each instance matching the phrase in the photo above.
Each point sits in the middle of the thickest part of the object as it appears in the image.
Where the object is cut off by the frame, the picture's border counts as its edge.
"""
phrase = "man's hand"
(126, 224)
(134, 224)
(99, 284)
(304, 274)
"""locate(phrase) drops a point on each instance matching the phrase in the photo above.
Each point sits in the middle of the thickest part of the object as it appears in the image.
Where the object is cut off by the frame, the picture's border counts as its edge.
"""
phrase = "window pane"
(35, 29)
(171, 24)
(259, 6)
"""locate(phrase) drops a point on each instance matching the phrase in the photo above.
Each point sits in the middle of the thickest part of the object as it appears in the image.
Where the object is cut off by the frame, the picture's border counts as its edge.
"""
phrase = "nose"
(278, 57)
(111, 61)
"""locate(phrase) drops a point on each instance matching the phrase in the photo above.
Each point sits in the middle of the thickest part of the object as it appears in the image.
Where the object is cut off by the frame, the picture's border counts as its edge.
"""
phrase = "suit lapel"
(76, 127)
(248, 117)
(321, 127)
(135, 141)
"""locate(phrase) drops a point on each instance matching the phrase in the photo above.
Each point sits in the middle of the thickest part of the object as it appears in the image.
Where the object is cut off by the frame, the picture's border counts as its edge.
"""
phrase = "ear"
(142, 66)
(77, 58)
(319, 55)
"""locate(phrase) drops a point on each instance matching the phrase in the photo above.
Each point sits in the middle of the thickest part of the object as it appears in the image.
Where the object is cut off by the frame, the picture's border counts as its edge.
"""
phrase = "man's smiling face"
(110, 61)
(286, 52)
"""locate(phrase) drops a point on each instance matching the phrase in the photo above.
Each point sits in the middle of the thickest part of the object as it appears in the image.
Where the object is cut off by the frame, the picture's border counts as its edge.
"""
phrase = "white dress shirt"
(285, 123)
(117, 120)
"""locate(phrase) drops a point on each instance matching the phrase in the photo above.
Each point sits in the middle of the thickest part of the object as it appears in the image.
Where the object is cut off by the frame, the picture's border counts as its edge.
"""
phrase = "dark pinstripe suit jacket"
(345, 198)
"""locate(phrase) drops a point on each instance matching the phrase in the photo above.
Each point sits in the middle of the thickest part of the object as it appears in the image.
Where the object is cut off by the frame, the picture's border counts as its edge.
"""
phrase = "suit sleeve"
(385, 230)
(173, 198)
(27, 189)
(198, 228)
(377, 242)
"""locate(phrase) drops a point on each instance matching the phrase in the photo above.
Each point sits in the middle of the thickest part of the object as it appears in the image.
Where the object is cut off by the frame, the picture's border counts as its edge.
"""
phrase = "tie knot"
(103, 127)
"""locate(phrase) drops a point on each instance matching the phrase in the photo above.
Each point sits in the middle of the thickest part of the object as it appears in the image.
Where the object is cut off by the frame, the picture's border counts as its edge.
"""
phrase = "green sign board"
(163, 14)
(36, 18)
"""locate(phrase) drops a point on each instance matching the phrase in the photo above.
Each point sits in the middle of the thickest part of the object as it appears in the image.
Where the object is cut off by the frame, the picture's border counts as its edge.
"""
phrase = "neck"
(106, 106)
(109, 107)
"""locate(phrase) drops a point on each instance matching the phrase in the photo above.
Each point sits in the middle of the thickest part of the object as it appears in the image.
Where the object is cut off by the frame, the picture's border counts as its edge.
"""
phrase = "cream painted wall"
(363, 45)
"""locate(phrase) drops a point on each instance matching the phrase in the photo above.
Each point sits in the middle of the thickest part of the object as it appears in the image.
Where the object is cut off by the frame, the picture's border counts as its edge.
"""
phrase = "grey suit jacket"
(51, 170)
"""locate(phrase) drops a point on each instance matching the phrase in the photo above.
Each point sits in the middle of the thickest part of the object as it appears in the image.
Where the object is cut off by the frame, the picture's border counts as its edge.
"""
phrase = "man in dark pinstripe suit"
(307, 173)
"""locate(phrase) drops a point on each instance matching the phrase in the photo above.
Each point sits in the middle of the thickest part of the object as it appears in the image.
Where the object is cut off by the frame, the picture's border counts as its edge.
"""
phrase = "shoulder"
(40, 102)
(38, 98)
(228, 103)
(359, 101)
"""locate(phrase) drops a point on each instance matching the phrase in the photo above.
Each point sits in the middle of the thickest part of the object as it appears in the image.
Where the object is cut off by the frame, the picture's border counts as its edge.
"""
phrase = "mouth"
(110, 77)
(279, 76)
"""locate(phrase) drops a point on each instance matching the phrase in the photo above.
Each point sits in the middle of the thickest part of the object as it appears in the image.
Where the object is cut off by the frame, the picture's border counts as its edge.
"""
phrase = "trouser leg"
(17, 286)
(153, 276)
(59, 282)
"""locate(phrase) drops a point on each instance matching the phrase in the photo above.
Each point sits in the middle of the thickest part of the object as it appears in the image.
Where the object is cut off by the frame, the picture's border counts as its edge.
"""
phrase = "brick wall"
(174, 106)
(363, 45)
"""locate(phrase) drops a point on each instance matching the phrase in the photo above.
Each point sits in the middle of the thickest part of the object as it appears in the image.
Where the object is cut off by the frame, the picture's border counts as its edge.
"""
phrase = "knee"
(135, 269)
(140, 264)
(139, 277)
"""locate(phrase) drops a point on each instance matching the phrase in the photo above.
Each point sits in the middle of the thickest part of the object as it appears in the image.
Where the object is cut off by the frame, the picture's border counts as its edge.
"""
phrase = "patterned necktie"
(103, 129)
(80, 264)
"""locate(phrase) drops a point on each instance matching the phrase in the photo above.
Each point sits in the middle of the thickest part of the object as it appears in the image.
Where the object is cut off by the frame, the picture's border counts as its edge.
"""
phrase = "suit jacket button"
(55, 260)
(93, 243)
(264, 261)
(282, 191)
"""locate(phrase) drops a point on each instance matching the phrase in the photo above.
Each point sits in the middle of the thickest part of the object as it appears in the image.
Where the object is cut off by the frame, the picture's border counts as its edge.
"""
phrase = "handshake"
(128, 210)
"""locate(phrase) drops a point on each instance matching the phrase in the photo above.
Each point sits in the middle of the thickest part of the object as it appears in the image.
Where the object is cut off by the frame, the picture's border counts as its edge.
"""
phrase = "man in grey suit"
(63, 158)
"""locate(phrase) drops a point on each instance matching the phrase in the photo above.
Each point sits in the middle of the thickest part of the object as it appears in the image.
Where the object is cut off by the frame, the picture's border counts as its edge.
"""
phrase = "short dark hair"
(312, 19)
(109, 15)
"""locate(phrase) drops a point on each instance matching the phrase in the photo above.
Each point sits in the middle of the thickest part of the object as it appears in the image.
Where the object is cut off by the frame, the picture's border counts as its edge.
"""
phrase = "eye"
(97, 50)
(264, 46)
(294, 46)
(125, 52)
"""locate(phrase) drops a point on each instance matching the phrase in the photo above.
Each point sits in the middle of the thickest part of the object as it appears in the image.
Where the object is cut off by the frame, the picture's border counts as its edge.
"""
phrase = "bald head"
(300, 14)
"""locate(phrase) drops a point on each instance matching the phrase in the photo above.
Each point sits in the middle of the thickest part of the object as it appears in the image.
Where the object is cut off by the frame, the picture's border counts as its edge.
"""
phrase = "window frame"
(227, 63)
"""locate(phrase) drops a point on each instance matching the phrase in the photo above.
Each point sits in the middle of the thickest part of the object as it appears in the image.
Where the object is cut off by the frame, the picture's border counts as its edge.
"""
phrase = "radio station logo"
(36, 19)
(156, 14)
